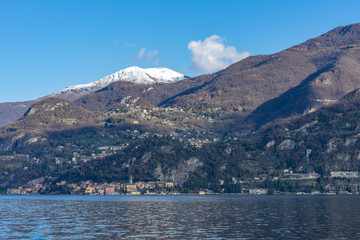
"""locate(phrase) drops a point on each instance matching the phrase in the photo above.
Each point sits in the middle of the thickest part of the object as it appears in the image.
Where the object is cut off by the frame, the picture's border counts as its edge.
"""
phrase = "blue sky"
(48, 45)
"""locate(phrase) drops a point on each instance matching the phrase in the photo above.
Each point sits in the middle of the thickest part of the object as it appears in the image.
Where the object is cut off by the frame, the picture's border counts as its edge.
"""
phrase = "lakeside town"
(92, 188)
(256, 186)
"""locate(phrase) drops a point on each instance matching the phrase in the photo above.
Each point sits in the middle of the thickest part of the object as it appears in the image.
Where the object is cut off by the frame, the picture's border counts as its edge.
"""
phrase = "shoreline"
(193, 194)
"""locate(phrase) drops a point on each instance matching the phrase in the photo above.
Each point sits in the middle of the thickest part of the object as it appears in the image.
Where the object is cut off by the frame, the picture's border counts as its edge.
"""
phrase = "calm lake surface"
(179, 217)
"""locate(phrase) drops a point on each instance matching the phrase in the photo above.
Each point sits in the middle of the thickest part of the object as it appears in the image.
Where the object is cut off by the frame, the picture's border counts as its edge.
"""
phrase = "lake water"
(179, 217)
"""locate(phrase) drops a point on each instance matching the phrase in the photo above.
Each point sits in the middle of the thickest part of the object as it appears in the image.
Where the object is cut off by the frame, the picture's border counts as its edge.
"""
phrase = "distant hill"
(52, 114)
(12, 111)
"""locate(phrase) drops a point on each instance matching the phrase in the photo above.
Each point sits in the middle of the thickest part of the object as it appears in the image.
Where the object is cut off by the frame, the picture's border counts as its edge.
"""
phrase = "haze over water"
(179, 217)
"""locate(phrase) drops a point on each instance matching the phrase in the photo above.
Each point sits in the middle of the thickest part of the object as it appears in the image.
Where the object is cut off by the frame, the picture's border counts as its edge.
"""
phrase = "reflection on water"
(179, 217)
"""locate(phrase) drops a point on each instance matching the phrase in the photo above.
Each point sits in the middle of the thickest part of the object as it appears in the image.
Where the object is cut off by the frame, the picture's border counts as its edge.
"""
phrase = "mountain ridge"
(241, 88)
(12, 111)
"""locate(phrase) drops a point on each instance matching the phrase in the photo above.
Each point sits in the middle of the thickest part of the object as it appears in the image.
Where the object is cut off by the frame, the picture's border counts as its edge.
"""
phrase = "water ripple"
(179, 217)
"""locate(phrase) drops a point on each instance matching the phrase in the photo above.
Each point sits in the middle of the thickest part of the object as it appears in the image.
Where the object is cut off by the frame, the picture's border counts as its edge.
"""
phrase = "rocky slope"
(337, 57)
(327, 137)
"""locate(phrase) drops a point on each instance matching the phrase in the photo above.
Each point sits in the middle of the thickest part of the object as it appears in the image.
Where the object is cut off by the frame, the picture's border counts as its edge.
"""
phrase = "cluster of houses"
(199, 142)
(27, 190)
(289, 174)
(22, 157)
(92, 188)
(162, 116)
(138, 188)
(345, 174)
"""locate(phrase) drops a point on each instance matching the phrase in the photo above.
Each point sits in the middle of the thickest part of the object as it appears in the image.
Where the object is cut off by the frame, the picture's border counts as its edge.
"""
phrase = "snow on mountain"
(132, 74)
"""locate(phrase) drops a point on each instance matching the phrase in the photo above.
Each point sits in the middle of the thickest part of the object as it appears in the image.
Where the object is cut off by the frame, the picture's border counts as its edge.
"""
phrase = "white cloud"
(146, 56)
(211, 54)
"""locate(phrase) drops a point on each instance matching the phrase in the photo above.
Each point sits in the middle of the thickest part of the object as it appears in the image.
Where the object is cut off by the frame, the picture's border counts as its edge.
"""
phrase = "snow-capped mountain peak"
(143, 76)
(132, 74)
